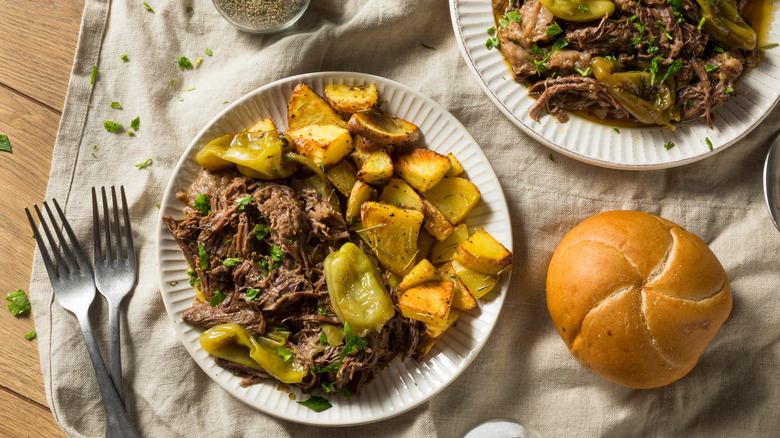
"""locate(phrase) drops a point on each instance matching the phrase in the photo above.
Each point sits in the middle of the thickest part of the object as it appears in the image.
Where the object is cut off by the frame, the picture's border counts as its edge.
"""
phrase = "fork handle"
(118, 421)
(115, 347)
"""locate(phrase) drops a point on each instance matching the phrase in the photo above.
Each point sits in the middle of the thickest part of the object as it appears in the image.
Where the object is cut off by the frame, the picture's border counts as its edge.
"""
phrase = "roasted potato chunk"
(424, 244)
(265, 125)
(435, 222)
(343, 176)
(393, 233)
(454, 197)
(361, 192)
(477, 283)
(351, 98)
(383, 128)
(456, 168)
(323, 144)
(359, 157)
(436, 330)
(377, 169)
(461, 298)
(422, 168)
(397, 192)
(443, 251)
(482, 253)
(429, 302)
(306, 108)
(422, 272)
(367, 146)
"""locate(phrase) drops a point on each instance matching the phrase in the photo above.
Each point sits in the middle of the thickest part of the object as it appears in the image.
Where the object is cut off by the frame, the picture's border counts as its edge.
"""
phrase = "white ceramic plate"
(599, 144)
(403, 385)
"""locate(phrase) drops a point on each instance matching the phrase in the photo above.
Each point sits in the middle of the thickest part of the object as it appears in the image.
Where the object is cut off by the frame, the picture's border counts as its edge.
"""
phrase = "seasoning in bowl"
(261, 16)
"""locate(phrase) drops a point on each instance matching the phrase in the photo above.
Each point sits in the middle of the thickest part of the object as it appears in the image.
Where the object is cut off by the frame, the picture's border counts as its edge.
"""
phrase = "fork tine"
(63, 243)
(96, 248)
(107, 228)
(42, 248)
(128, 231)
(117, 234)
(62, 267)
(76, 247)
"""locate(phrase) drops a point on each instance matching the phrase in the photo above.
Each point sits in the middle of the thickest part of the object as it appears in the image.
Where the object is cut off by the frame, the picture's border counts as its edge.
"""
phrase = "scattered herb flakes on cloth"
(136, 123)
(184, 62)
(18, 302)
(112, 126)
(148, 8)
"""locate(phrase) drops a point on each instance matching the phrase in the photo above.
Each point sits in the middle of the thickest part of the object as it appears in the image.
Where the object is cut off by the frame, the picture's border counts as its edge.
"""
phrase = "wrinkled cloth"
(524, 371)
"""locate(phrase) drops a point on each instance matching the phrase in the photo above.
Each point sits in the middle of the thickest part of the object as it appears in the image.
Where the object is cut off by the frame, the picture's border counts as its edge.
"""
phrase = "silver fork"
(74, 287)
(115, 272)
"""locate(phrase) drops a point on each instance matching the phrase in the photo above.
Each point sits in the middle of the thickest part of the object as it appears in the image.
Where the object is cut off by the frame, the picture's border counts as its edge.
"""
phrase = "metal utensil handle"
(118, 421)
(115, 348)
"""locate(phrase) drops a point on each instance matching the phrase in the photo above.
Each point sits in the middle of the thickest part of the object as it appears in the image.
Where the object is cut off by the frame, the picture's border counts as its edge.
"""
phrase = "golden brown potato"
(393, 233)
(359, 157)
(443, 251)
(343, 176)
(429, 302)
(477, 283)
(377, 169)
(265, 125)
(422, 272)
(397, 192)
(367, 146)
(482, 253)
(461, 298)
(422, 168)
(454, 197)
(436, 330)
(306, 108)
(424, 244)
(361, 192)
(435, 222)
(383, 128)
(351, 98)
(456, 168)
(323, 144)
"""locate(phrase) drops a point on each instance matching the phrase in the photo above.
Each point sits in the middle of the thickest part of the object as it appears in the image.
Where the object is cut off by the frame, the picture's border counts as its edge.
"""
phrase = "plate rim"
(170, 191)
(466, 55)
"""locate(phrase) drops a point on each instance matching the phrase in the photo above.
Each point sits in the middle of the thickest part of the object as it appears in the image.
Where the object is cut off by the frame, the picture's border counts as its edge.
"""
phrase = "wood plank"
(37, 42)
(31, 129)
(21, 418)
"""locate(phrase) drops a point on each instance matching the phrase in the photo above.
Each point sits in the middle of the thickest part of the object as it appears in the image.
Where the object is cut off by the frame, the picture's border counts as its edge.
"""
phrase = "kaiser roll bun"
(636, 298)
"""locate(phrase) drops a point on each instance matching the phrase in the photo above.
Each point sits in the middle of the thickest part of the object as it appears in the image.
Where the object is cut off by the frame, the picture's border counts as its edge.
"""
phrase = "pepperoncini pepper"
(579, 10)
(640, 93)
(256, 154)
(725, 24)
(356, 291)
(236, 344)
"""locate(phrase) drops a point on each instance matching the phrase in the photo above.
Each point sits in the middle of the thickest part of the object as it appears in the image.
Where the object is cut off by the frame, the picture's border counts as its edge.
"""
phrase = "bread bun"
(636, 298)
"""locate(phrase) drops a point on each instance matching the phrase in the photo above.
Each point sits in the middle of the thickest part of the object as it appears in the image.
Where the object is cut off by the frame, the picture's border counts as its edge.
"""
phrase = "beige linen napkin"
(525, 371)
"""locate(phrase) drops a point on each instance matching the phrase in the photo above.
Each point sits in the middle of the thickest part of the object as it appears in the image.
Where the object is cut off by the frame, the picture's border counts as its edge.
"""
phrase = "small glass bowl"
(261, 16)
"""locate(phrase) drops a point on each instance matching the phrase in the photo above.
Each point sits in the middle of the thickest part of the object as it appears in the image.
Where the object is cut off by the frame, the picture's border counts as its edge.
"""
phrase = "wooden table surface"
(37, 44)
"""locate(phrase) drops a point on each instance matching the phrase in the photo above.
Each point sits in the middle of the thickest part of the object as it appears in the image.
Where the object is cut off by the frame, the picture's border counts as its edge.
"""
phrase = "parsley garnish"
(583, 8)
(144, 164)
(323, 339)
(202, 203)
(231, 261)
(286, 353)
(264, 265)
(616, 130)
(280, 329)
(251, 294)
(30, 336)
(552, 158)
(674, 67)
(669, 145)
(729, 91)
(112, 126)
(701, 23)
(123, 58)
(316, 404)
(718, 48)
(276, 254)
(5, 144)
(148, 8)
(557, 45)
(193, 276)
(427, 46)
(190, 89)
(261, 231)
(184, 62)
(510, 17)
(136, 123)
(583, 73)
(492, 42)
(93, 76)
(322, 311)
(768, 46)
(116, 105)
(189, 9)
(18, 302)
(709, 143)
(204, 257)
(554, 29)
(710, 68)
(352, 342)
(172, 82)
(243, 202)
(217, 298)
(181, 99)
(332, 368)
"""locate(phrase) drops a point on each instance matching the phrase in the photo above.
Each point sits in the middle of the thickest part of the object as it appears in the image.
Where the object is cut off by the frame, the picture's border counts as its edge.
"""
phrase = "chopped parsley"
(231, 261)
(701, 23)
(202, 203)
(352, 342)
(616, 130)
(669, 145)
(322, 311)
(136, 123)
(286, 353)
(93, 76)
(112, 126)
(204, 257)
(492, 42)
(674, 67)
(243, 202)
(509, 18)
(217, 298)
(251, 294)
(193, 276)
(276, 254)
(189, 9)
(729, 91)
(148, 8)
(552, 158)
(554, 29)
(316, 404)
(173, 283)
(30, 336)
(583, 73)
(181, 99)
(323, 339)
(709, 143)
(583, 8)
(332, 368)
(557, 45)
(190, 89)
(145, 164)
(116, 105)
(172, 82)
(710, 68)
(17, 302)
(427, 46)
(261, 231)
(123, 58)
(5, 144)
(184, 63)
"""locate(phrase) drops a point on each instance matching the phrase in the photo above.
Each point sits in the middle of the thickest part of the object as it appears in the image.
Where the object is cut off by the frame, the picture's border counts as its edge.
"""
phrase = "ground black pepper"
(260, 15)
